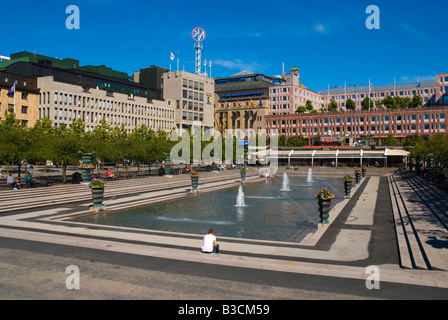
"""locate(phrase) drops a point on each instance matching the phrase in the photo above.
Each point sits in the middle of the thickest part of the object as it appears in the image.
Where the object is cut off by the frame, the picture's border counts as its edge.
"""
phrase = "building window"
(24, 109)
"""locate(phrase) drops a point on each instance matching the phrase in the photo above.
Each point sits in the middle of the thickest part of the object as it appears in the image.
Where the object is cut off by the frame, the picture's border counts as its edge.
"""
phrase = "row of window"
(12, 109)
(120, 89)
(101, 104)
(359, 120)
(193, 95)
(61, 115)
(190, 84)
(190, 116)
(306, 94)
(365, 130)
(14, 80)
(401, 93)
(190, 105)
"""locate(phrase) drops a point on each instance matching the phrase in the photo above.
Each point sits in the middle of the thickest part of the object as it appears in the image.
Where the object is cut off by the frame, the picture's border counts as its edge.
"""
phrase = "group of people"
(15, 182)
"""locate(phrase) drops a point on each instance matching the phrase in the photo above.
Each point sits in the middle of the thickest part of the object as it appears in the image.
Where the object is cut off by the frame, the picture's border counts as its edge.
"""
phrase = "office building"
(23, 102)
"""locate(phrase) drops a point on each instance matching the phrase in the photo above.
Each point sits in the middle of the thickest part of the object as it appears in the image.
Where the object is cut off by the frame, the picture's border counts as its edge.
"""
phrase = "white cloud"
(415, 32)
(237, 64)
(409, 79)
(320, 28)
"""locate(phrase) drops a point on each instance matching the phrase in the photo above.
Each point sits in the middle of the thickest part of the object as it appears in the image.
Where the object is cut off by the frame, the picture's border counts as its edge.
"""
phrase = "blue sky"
(327, 40)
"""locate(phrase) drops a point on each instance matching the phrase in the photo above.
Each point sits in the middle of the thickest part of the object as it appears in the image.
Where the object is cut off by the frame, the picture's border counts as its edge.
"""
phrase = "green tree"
(413, 140)
(367, 104)
(309, 105)
(67, 142)
(350, 104)
(416, 101)
(297, 141)
(389, 102)
(390, 141)
(332, 106)
(301, 109)
(437, 145)
(41, 137)
(282, 141)
(14, 141)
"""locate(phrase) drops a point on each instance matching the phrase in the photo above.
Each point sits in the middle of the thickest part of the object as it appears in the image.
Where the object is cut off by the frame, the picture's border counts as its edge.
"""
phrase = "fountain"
(310, 175)
(240, 198)
(269, 214)
(285, 185)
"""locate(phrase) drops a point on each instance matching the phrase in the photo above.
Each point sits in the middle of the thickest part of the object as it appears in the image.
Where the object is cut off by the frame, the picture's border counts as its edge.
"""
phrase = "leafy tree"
(67, 143)
(282, 141)
(379, 104)
(301, 109)
(14, 140)
(390, 141)
(437, 145)
(350, 104)
(332, 106)
(367, 104)
(389, 102)
(309, 105)
(41, 137)
(297, 141)
(413, 140)
(416, 101)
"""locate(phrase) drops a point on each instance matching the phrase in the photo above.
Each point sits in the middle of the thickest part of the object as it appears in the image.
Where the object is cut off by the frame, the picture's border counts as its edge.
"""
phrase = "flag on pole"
(252, 102)
(225, 104)
(172, 57)
(261, 103)
(12, 91)
(210, 64)
(239, 103)
(205, 62)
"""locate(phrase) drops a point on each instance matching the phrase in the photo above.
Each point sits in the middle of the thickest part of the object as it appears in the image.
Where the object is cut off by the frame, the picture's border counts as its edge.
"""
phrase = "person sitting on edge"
(10, 180)
(209, 245)
(110, 174)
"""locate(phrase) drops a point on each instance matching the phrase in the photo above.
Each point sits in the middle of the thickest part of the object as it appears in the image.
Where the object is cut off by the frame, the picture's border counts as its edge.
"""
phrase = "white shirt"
(208, 243)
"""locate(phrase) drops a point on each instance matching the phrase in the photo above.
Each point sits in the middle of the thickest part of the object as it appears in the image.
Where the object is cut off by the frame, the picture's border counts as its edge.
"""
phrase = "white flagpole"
(369, 94)
(395, 93)
(345, 90)
(177, 60)
(210, 65)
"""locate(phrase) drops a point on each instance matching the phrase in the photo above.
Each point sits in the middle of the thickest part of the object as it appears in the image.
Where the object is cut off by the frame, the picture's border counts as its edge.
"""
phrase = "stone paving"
(339, 249)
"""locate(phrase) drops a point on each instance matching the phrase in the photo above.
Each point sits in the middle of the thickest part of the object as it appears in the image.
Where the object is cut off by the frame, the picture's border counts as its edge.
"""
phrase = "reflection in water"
(267, 214)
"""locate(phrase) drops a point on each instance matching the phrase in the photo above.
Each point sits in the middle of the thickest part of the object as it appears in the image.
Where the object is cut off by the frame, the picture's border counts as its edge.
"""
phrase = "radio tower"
(198, 35)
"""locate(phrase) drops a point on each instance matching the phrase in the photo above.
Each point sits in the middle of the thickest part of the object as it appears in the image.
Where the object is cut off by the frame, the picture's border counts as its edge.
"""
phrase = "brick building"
(24, 102)
(376, 124)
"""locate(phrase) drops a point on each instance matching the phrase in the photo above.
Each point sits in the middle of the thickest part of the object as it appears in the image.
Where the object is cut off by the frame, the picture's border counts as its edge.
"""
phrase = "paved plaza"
(394, 224)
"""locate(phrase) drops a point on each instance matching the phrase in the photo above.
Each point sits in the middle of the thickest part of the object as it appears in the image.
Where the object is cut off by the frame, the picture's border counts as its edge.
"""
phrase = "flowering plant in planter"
(86, 166)
(357, 171)
(363, 168)
(97, 183)
(194, 174)
(325, 194)
(243, 169)
(348, 177)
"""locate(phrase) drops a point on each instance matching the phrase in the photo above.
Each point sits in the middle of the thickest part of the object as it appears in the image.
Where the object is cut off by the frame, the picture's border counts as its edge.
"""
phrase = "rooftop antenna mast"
(198, 35)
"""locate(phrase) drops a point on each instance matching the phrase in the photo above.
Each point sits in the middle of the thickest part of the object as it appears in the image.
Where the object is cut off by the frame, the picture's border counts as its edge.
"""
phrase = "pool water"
(268, 214)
